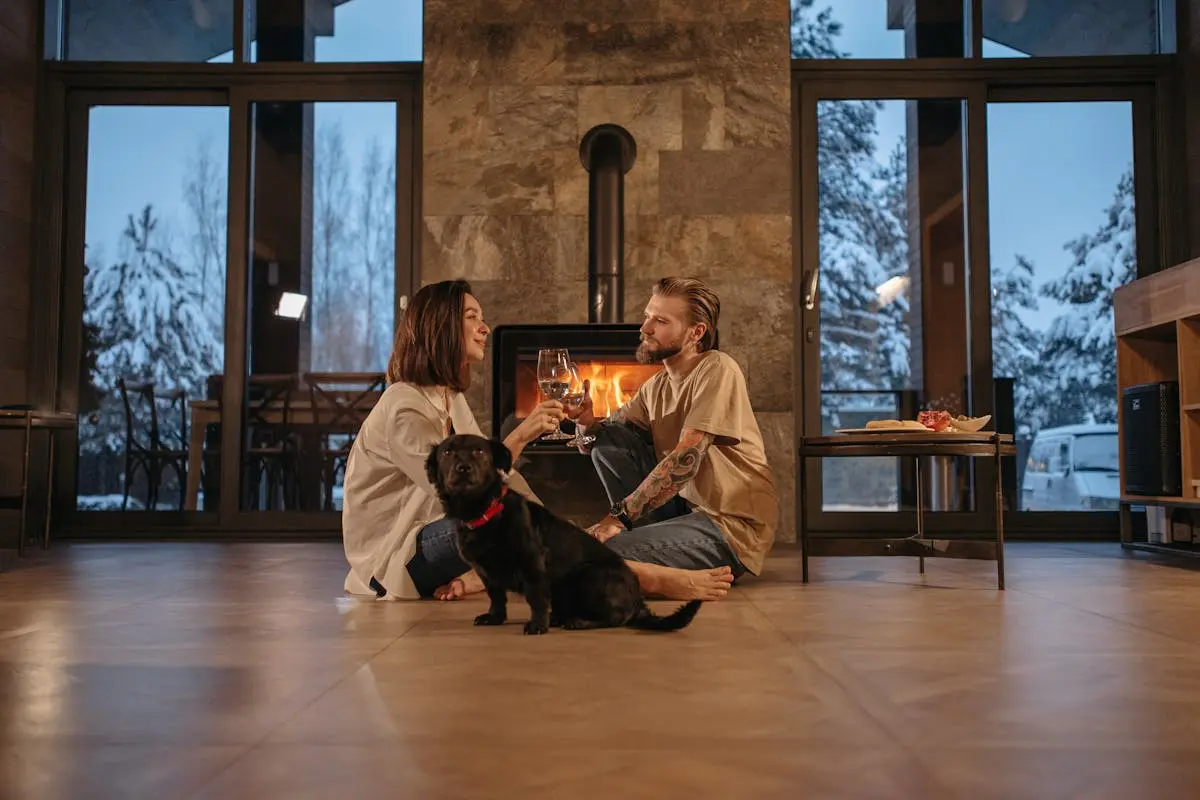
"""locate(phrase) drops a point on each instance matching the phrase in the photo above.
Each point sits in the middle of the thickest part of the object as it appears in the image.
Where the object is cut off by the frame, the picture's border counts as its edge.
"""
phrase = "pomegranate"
(934, 420)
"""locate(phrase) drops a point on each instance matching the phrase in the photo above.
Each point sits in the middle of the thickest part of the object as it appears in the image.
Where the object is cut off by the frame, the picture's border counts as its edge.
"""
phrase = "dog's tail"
(646, 620)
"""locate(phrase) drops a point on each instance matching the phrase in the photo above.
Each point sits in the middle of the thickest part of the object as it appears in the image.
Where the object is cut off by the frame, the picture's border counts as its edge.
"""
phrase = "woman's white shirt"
(386, 495)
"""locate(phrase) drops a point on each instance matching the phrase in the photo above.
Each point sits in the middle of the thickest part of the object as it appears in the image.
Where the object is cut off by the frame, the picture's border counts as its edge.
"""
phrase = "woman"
(397, 540)
(393, 530)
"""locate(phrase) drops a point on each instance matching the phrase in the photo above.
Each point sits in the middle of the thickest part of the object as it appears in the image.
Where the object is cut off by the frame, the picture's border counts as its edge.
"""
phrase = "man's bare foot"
(697, 584)
(671, 583)
(459, 588)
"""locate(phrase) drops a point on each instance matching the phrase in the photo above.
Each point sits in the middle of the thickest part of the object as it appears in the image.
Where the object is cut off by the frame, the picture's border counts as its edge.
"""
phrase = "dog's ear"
(501, 455)
(431, 466)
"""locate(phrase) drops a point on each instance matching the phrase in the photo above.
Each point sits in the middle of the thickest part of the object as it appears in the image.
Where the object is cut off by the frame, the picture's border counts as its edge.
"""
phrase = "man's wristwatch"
(617, 511)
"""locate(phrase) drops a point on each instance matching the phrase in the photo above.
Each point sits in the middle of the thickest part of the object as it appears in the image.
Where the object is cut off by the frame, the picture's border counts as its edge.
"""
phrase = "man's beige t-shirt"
(733, 485)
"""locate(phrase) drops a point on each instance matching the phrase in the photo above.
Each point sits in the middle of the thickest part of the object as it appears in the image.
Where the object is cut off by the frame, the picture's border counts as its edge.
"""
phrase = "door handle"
(810, 289)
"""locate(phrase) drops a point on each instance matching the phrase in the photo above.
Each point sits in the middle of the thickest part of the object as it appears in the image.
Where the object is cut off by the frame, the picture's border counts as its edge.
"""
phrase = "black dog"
(568, 577)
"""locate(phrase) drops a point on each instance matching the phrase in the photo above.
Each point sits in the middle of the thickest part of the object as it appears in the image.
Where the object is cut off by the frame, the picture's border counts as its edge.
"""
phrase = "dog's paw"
(535, 628)
(489, 619)
(578, 625)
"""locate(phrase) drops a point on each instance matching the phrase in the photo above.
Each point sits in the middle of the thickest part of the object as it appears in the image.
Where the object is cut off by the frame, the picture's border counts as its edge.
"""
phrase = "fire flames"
(612, 384)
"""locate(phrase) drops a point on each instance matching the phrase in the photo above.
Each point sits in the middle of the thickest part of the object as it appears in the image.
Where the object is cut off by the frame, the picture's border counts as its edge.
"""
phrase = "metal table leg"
(802, 513)
(999, 518)
(920, 513)
(24, 487)
(49, 488)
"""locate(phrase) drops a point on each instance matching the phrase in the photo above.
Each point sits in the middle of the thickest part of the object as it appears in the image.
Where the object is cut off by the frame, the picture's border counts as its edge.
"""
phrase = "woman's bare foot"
(671, 583)
(459, 588)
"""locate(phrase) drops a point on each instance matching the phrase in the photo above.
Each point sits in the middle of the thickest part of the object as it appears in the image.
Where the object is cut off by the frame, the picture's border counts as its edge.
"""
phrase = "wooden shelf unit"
(1157, 325)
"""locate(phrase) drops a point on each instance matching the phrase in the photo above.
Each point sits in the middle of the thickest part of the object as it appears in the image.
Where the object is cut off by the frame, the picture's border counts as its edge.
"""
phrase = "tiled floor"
(227, 671)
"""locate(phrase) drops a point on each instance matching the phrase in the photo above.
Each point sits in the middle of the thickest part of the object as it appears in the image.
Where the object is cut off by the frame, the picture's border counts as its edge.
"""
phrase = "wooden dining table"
(302, 415)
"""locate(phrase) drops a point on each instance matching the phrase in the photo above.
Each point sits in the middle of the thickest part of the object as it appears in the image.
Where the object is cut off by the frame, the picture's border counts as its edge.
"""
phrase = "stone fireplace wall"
(511, 86)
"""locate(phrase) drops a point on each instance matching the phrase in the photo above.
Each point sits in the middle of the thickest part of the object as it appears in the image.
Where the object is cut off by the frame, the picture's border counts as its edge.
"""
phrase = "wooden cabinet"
(1157, 321)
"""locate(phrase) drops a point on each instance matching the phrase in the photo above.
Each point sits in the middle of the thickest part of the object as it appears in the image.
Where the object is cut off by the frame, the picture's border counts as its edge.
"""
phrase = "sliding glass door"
(958, 250)
(235, 263)
(144, 289)
(1063, 230)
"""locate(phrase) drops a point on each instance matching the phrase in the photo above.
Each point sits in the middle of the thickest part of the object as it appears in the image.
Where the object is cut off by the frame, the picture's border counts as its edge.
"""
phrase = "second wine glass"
(554, 379)
(572, 400)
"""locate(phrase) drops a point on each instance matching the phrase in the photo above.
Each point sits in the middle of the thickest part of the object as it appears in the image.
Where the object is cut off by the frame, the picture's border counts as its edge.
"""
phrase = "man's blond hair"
(703, 305)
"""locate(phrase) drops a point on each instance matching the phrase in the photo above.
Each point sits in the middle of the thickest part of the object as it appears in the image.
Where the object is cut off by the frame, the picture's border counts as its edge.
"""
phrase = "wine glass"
(554, 379)
(572, 400)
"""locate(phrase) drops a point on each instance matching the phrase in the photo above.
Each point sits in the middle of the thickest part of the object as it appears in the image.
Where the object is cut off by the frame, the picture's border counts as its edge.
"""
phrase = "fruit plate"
(970, 424)
(949, 435)
(890, 431)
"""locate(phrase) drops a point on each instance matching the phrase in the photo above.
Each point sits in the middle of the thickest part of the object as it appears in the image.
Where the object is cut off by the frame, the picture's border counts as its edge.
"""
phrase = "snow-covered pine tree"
(1079, 355)
(146, 307)
(1016, 347)
(862, 226)
(889, 240)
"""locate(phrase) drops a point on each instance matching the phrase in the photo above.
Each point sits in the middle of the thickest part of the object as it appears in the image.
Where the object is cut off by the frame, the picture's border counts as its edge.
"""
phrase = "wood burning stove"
(563, 478)
(604, 353)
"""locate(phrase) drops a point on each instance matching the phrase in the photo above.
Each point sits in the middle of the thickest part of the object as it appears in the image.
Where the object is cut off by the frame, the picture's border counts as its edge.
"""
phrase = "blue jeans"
(437, 560)
(673, 535)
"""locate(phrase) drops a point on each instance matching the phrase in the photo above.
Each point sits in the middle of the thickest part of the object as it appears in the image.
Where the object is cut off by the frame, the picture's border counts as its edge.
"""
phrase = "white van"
(1073, 468)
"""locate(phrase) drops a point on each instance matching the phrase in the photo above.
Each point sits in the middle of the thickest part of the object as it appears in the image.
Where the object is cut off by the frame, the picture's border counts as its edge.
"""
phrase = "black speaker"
(1150, 434)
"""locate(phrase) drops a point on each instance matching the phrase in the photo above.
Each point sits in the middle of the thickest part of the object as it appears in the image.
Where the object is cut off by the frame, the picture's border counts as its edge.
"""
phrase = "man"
(683, 461)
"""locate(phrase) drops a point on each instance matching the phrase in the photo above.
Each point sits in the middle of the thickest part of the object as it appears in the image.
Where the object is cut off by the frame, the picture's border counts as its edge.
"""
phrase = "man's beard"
(646, 354)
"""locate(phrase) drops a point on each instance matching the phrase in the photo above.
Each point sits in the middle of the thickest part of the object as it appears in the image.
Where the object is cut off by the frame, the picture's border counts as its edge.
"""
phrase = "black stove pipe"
(607, 153)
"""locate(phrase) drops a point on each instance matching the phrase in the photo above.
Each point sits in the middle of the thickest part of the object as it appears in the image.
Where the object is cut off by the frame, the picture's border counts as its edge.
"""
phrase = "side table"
(857, 445)
(29, 420)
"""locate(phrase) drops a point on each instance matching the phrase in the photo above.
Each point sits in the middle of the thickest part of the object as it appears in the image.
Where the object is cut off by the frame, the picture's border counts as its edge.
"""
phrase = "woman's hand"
(460, 587)
(543, 419)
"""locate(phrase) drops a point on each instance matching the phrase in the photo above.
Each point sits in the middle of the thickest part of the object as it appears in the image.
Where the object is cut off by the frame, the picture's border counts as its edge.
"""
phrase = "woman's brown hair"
(429, 341)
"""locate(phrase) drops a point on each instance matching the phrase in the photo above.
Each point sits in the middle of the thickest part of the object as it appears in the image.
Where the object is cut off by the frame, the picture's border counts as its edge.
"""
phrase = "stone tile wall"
(703, 86)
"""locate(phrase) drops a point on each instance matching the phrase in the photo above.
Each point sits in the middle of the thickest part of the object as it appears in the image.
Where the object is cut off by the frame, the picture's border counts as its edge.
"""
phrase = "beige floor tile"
(241, 671)
(67, 770)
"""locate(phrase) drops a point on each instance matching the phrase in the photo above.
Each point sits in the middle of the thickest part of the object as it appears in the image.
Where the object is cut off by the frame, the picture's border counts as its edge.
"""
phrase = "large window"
(1016, 28)
(893, 275)
(1062, 232)
(203, 30)
(935, 204)
(118, 30)
(1011, 28)
(153, 313)
(344, 30)
(878, 29)
(323, 235)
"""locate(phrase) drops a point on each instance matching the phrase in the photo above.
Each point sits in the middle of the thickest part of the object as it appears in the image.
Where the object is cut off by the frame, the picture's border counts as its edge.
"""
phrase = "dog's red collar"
(492, 511)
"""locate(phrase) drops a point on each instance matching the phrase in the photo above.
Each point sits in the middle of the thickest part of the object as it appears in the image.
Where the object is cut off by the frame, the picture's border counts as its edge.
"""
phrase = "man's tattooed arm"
(671, 474)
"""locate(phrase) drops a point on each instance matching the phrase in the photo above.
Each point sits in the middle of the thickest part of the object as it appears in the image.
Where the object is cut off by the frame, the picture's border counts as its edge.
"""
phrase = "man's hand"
(606, 528)
(582, 414)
